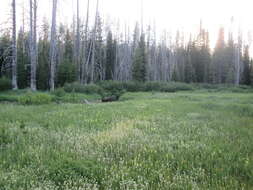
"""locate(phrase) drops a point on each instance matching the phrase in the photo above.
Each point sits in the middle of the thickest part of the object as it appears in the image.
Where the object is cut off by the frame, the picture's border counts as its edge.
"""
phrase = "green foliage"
(111, 88)
(157, 86)
(133, 86)
(185, 140)
(110, 57)
(8, 98)
(32, 98)
(59, 92)
(246, 78)
(80, 88)
(66, 73)
(5, 137)
(139, 69)
(65, 167)
(5, 84)
(23, 61)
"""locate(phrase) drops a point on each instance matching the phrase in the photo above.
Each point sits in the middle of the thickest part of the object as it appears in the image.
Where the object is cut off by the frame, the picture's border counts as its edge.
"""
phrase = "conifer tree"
(246, 67)
(110, 57)
(140, 61)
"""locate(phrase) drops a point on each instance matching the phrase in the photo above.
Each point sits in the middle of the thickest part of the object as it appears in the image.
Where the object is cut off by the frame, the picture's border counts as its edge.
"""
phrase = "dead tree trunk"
(84, 64)
(237, 65)
(32, 46)
(78, 58)
(53, 46)
(35, 35)
(14, 47)
(94, 45)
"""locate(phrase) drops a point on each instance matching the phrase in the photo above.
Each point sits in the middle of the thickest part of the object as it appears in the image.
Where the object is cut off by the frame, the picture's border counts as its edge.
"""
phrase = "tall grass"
(149, 141)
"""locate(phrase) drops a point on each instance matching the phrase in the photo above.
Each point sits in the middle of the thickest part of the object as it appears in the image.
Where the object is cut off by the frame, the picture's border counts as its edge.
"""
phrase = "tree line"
(60, 54)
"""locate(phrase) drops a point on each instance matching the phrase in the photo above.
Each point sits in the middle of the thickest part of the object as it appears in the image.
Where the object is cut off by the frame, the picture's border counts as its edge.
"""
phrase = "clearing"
(184, 140)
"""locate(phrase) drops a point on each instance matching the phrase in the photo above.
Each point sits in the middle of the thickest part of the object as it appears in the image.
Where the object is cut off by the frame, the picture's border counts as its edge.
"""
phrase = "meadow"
(146, 141)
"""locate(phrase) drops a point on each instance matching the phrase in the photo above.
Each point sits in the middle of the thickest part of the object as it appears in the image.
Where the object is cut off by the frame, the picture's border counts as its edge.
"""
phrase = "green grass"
(185, 140)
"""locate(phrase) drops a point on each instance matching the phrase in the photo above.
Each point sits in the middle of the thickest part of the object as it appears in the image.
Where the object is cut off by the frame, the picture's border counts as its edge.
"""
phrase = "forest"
(58, 54)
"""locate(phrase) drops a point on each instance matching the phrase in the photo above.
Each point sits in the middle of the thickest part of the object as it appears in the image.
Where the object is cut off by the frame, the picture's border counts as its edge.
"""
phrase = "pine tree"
(246, 67)
(5, 54)
(100, 52)
(43, 58)
(251, 72)
(190, 75)
(22, 60)
(67, 71)
(219, 58)
(110, 57)
(140, 61)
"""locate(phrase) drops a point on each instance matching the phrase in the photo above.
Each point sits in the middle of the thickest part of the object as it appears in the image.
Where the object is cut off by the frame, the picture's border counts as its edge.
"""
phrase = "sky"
(169, 15)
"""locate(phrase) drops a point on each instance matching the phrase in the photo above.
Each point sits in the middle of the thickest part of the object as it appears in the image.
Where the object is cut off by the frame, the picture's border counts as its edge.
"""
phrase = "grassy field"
(151, 141)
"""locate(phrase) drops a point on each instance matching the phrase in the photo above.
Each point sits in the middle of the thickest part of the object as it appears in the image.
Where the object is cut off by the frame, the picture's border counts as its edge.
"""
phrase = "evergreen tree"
(43, 58)
(100, 52)
(190, 75)
(251, 72)
(140, 61)
(5, 54)
(23, 60)
(246, 67)
(67, 71)
(219, 58)
(110, 57)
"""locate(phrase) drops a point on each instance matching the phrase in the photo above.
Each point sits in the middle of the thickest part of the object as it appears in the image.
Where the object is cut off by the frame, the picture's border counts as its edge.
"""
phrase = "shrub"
(8, 98)
(5, 84)
(132, 86)
(168, 88)
(178, 86)
(77, 87)
(111, 85)
(35, 99)
(59, 92)
(154, 86)
(111, 88)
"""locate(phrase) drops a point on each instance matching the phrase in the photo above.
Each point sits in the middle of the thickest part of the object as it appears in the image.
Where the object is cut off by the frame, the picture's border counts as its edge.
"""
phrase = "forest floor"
(184, 140)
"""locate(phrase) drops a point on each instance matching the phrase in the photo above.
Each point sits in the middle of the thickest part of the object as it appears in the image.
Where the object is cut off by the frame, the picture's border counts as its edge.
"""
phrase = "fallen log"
(110, 99)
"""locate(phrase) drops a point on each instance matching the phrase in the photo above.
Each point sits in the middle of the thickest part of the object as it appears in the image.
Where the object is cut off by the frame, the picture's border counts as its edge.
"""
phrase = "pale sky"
(169, 15)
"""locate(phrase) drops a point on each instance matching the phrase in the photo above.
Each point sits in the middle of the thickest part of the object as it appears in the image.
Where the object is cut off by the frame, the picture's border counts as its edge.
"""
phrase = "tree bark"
(237, 65)
(53, 46)
(32, 46)
(78, 47)
(94, 45)
(14, 47)
(84, 64)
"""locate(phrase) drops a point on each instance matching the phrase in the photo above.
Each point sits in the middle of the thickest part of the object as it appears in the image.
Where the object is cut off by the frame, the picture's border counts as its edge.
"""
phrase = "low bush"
(132, 86)
(8, 98)
(178, 86)
(5, 84)
(157, 86)
(154, 86)
(79, 88)
(35, 99)
(59, 92)
(111, 89)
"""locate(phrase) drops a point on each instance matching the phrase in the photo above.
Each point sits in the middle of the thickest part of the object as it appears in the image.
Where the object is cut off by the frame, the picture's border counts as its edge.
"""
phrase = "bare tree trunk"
(53, 46)
(14, 47)
(84, 64)
(35, 34)
(32, 46)
(237, 65)
(94, 45)
(78, 47)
